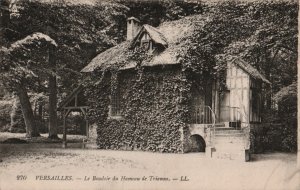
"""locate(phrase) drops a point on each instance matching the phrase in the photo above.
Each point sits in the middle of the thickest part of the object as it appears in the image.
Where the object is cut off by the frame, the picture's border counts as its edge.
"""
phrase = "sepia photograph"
(149, 95)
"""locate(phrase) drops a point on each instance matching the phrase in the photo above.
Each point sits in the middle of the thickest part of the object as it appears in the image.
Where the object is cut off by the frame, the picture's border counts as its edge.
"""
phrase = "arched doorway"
(197, 143)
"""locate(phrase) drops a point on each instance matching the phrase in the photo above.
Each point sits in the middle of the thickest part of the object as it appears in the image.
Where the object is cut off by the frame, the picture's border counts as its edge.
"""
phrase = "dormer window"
(146, 42)
(149, 39)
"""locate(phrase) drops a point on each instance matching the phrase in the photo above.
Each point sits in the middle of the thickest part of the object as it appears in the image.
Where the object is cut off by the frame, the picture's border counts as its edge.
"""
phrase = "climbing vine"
(152, 106)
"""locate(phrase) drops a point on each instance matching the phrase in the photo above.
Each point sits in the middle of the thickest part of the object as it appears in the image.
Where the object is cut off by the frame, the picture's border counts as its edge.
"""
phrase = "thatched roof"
(170, 34)
(108, 58)
(253, 72)
(173, 36)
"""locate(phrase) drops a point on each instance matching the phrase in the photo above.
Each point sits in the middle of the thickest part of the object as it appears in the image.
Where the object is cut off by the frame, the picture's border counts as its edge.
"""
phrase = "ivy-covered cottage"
(154, 92)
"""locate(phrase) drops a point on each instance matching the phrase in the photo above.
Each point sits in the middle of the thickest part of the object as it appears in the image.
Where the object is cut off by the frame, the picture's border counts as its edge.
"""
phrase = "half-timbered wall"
(243, 95)
(237, 96)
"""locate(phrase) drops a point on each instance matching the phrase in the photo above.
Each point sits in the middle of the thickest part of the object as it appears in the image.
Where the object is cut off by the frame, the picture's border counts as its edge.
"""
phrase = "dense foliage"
(151, 116)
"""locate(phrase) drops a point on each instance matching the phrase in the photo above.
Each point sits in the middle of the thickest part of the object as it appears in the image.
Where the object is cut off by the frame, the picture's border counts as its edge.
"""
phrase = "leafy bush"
(274, 137)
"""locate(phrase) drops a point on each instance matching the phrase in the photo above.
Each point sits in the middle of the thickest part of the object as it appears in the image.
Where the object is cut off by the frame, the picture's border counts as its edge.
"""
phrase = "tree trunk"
(31, 128)
(13, 111)
(53, 128)
(52, 108)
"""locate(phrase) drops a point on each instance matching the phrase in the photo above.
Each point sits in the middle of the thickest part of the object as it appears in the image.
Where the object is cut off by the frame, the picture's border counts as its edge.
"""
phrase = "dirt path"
(268, 171)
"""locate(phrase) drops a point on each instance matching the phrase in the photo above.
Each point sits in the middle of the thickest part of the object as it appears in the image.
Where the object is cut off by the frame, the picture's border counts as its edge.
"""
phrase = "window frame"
(115, 101)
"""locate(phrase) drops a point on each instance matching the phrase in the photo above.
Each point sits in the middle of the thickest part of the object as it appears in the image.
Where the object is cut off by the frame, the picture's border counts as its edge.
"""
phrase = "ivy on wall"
(155, 104)
(150, 106)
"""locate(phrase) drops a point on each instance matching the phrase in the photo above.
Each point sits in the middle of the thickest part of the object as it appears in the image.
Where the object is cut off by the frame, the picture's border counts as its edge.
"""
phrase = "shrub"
(274, 137)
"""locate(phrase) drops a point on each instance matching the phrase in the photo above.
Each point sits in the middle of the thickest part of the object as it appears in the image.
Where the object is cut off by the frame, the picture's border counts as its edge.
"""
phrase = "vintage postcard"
(155, 95)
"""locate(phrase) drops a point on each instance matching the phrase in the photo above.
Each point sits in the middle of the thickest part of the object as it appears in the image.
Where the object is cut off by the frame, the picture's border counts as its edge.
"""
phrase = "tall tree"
(21, 65)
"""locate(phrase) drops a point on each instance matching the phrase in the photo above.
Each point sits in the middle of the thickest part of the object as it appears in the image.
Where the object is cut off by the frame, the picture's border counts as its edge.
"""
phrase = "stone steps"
(226, 131)
(234, 134)
(238, 155)
(229, 144)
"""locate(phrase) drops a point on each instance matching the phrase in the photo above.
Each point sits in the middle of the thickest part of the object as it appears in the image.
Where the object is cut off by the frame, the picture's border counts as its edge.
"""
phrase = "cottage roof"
(170, 34)
(173, 36)
(111, 56)
(253, 72)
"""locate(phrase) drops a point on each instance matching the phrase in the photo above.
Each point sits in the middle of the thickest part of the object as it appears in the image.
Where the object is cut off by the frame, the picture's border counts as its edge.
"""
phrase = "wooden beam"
(217, 102)
(87, 127)
(76, 100)
(67, 111)
(249, 100)
(64, 129)
(65, 115)
(83, 111)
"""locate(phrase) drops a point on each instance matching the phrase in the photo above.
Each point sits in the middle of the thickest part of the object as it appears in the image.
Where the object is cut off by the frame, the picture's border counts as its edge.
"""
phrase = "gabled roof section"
(253, 72)
(154, 34)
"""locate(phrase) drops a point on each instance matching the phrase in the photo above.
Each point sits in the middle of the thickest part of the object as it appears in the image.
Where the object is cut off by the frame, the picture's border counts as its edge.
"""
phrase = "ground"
(39, 162)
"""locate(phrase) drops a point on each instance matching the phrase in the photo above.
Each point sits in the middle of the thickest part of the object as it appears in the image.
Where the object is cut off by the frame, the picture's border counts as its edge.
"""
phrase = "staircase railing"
(212, 128)
(205, 115)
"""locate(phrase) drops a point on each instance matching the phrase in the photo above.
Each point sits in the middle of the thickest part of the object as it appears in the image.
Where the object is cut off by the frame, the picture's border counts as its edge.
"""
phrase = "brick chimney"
(133, 27)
